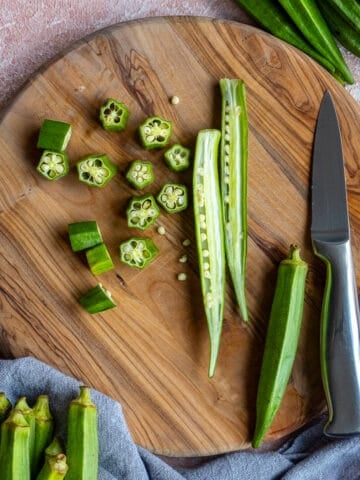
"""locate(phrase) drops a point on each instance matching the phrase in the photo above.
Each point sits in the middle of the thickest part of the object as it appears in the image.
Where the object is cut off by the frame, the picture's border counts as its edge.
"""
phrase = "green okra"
(274, 19)
(347, 35)
(82, 438)
(54, 448)
(83, 235)
(97, 299)
(348, 10)
(281, 341)
(234, 167)
(54, 135)
(44, 426)
(5, 406)
(23, 406)
(209, 232)
(15, 447)
(308, 18)
(55, 468)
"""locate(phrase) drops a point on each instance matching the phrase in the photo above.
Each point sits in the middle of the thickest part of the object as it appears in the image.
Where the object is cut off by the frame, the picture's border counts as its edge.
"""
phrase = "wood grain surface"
(151, 352)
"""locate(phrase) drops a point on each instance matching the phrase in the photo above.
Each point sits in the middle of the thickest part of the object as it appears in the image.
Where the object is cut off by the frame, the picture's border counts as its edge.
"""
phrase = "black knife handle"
(340, 343)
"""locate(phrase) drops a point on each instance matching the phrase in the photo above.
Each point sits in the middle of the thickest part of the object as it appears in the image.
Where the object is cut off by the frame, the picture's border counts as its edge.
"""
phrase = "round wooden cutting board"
(151, 352)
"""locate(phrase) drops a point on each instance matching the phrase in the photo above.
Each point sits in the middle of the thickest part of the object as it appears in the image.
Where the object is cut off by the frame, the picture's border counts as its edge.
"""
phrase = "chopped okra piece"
(54, 135)
(84, 235)
(177, 157)
(96, 170)
(142, 212)
(97, 300)
(138, 252)
(114, 115)
(53, 165)
(155, 132)
(140, 174)
(173, 197)
(99, 259)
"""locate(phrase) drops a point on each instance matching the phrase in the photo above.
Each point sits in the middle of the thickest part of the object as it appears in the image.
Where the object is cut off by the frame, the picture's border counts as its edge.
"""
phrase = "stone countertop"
(31, 36)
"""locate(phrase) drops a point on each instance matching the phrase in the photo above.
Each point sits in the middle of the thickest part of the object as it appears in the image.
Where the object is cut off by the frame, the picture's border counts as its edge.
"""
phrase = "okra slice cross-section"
(96, 170)
(142, 212)
(114, 115)
(177, 157)
(234, 165)
(53, 165)
(138, 252)
(140, 174)
(173, 197)
(210, 236)
(155, 132)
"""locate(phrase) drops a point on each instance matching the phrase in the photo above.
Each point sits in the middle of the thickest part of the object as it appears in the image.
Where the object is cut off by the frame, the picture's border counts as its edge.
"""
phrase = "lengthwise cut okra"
(274, 19)
(54, 135)
(177, 157)
(309, 20)
(173, 197)
(210, 236)
(82, 438)
(114, 115)
(155, 132)
(53, 165)
(96, 170)
(281, 340)
(15, 447)
(234, 161)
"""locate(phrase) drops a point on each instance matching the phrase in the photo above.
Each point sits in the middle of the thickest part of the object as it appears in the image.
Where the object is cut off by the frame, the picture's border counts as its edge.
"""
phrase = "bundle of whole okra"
(219, 187)
(29, 450)
(312, 26)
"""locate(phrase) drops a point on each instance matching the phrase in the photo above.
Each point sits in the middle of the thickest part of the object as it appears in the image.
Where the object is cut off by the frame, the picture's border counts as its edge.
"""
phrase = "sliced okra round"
(177, 157)
(155, 132)
(140, 174)
(142, 212)
(114, 115)
(173, 197)
(96, 170)
(138, 252)
(53, 165)
(54, 135)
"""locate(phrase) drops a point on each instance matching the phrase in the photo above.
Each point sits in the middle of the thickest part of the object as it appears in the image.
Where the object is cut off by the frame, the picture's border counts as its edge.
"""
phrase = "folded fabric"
(307, 456)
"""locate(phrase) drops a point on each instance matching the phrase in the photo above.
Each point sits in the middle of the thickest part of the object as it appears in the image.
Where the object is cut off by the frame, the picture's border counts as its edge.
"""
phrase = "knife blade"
(330, 234)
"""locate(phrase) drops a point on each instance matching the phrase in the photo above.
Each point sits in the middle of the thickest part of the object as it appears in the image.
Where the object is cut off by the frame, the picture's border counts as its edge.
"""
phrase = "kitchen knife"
(330, 234)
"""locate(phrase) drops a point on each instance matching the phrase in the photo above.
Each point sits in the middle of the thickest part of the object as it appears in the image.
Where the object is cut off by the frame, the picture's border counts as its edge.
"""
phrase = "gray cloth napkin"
(308, 456)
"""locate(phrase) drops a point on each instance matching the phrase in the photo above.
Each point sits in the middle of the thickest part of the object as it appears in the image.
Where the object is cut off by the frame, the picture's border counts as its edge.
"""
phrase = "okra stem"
(44, 426)
(234, 162)
(208, 217)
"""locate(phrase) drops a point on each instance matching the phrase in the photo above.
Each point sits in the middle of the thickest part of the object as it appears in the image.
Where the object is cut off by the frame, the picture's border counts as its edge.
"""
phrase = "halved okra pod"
(210, 236)
(44, 426)
(234, 166)
(281, 340)
(82, 438)
(15, 447)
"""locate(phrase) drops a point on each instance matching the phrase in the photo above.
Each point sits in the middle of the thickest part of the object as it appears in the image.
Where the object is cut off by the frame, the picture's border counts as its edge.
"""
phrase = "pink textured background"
(33, 31)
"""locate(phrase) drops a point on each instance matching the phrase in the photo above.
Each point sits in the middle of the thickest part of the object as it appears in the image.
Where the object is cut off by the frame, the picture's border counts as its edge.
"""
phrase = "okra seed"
(207, 274)
(227, 149)
(161, 230)
(183, 259)
(186, 242)
(206, 266)
(175, 100)
(182, 276)
(227, 137)
(206, 253)
(203, 237)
